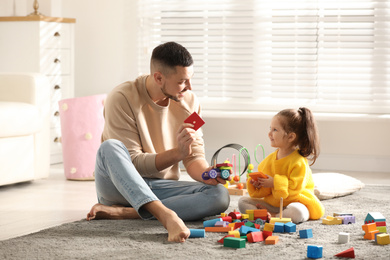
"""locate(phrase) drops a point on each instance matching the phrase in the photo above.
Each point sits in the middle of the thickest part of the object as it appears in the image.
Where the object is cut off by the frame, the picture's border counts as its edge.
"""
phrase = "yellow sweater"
(293, 182)
(146, 128)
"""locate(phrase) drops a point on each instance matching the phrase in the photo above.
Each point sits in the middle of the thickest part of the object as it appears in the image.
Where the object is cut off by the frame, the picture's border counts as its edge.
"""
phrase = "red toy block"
(267, 234)
(227, 218)
(238, 225)
(235, 215)
(349, 253)
(254, 237)
(221, 240)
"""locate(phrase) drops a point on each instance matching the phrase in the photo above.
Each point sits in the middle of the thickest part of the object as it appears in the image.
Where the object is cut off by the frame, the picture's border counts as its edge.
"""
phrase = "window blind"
(261, 55)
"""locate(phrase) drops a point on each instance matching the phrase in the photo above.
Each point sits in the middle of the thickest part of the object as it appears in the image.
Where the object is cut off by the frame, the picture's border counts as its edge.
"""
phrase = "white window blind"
(261, 55)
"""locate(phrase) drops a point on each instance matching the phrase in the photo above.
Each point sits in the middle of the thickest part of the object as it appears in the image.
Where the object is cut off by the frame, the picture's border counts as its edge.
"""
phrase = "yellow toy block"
(271, 240)
(235, 233)
(244, 216)
(268, 227)
(382, 229)
(281, 220)
(329, 220)
(223, 215)
(383, 239)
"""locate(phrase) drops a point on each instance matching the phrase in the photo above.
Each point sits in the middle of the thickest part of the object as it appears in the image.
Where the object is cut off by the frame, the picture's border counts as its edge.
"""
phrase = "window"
(261, 55)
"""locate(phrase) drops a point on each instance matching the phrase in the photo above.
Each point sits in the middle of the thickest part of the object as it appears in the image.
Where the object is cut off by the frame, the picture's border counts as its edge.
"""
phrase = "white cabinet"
(44, 45)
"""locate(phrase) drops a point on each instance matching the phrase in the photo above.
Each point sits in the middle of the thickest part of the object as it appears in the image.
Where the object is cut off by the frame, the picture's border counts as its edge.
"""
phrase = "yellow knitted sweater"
(293, 182)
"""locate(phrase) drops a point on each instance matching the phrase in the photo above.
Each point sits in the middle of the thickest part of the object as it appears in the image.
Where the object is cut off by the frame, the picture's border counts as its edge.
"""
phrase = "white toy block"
(343, 238)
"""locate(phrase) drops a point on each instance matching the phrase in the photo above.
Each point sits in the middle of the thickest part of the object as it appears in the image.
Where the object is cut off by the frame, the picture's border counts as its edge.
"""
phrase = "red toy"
(196, 120)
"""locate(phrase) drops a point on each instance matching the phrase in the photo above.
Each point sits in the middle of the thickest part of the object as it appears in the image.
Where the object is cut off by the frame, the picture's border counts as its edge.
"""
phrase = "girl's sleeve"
(280, 186)
(285, 186)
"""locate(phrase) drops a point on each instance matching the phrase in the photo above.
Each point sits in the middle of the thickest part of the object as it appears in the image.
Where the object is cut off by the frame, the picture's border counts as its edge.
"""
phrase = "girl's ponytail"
(308, 137)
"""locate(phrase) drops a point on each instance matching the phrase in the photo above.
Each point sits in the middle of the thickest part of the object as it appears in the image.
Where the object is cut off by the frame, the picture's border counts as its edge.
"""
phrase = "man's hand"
(185, 137)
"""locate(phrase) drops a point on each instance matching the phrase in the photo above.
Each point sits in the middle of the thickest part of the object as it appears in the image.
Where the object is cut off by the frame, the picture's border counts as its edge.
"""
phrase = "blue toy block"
(314, 251)
(290, 227)
(245, 230)
(211, 222)
(306, 233)
(197, 233)
(278, 227)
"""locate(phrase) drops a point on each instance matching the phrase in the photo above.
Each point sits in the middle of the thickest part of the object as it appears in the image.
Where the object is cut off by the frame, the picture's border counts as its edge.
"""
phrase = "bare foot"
(100, 211)
(177, 230)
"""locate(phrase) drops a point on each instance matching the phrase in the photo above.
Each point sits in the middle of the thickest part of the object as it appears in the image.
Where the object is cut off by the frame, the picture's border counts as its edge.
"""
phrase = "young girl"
(295, 134)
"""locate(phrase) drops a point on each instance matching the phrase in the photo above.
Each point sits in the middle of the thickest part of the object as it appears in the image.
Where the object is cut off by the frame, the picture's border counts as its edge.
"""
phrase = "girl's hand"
(256, 184)
(267, 183)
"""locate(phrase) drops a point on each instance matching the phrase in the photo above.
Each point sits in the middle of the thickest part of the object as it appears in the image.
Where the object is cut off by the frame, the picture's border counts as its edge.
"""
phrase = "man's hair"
(167, 56)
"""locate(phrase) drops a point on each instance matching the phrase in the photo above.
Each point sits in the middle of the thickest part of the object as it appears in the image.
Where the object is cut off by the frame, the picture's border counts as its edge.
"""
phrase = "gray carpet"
(138, 239)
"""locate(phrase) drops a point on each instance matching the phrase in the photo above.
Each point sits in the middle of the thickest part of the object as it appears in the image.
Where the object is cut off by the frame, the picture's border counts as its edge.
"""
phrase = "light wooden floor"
(33, 206)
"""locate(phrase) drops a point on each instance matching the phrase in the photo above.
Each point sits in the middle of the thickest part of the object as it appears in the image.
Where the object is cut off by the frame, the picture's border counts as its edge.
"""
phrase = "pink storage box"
(82, 124)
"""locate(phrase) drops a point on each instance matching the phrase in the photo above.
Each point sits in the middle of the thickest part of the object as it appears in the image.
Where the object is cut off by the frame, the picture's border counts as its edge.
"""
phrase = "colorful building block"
(260, 213)
(314, 251)
(343, 238)
(281, 220)
(279, 227)
(234, 242)
(290, 227)
(370, 231)
(254, 237)
(382, 239)
(329, 220)
(245, 230)
(197, 233)
(221, 240)
(211, 222)
(267, 234)
(268, 227)
(306, 233)
(349, 253)
(218, 229)
(235, 233)
(271, 240)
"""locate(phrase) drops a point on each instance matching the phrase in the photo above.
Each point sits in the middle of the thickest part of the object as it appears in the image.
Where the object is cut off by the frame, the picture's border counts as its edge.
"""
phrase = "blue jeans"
(119, 183)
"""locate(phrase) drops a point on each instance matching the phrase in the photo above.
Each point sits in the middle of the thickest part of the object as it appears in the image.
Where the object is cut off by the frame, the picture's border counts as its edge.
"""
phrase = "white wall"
(106, 43)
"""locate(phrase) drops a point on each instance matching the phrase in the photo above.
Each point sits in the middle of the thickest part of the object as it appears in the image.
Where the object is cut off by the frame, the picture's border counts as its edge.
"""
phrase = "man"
(144, 139)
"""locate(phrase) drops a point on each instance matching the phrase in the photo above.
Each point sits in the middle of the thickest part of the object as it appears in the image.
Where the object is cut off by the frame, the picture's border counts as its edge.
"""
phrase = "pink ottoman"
(82, 124)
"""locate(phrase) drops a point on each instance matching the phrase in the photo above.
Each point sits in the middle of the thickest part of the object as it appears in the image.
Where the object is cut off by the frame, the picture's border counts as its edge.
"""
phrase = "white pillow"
(331, 185)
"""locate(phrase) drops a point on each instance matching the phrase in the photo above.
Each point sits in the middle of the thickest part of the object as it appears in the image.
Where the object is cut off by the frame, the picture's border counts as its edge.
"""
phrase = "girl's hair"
(302, 123)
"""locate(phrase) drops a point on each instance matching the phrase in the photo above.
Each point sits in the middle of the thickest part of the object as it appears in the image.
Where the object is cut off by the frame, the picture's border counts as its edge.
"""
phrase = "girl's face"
(277, 135)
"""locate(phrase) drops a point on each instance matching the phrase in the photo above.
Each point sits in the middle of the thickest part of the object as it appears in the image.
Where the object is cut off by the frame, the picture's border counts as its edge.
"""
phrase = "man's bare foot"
(100, 211)
(177, 230)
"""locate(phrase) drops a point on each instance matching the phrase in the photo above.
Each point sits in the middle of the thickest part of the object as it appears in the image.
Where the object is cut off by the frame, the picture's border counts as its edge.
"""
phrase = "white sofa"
(24, 127)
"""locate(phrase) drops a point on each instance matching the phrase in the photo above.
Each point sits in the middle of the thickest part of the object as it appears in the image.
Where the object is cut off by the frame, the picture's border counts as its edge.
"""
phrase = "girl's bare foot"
(100, 211)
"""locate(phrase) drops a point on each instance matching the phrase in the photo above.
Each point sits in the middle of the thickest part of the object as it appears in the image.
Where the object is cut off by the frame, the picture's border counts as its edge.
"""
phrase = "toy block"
(382, 229)
(290, 227)
(235, 233)
(254, 237)
(238, 225)
(221, 240)
(281, 220)
(218, 229)
(260, 213)
(267, 234)
(279, 227)
(235, 215)
(259, 221)
(211, 222)
(329, 220)
(271, 240)
(234, 242)
(250, 214)
(223, 215)
(369, 227)
(314, 251)
(343, 238)
(306, 233)
(268, 227)
(382, 239)
(244, 216)
(349, 253)
(257, 226)
(342, 214)
(220, 224)
(250, 224)
(227, 218)
(197, 233)
(245, 229)
(380, 223)
(233, 190)
(370, 235)
(374, 217)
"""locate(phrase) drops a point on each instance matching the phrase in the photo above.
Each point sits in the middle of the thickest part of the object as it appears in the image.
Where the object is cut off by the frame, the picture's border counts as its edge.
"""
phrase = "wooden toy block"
(218, 229)
(382, 229)
(329, 220)
(370, 235)
(221, 240)
(227, 218)
(233, 190)
(211, 222)
(280, 220)
(382, 239)
(374, 217)
(238, 225)
(369, 227)
(254, 237)
(260, 213)
(235, 233)
(245, 230)
(271, 240)
(197, 233)
(235, 215)
(306, 233)
(250, 224)
(234, 242)
(349, 253)
(244, 216)
(223, 215)
(267, 234)
(343, 238)
(290, 227)
(279, 227)
(256, 175)
(268, 227)
(314, 251)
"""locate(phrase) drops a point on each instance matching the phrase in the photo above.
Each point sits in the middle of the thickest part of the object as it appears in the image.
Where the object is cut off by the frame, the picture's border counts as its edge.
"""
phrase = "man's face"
(177, 83)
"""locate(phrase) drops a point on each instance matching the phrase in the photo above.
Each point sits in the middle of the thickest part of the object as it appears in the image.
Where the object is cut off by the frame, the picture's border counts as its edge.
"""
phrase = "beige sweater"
(146, 128)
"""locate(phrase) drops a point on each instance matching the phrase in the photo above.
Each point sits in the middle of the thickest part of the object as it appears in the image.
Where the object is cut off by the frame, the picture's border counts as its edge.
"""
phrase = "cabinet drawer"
(55, 62)
(55, 35)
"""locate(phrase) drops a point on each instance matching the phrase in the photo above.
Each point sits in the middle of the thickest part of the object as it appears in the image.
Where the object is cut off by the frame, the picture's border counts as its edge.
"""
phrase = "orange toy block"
(349, 253)
(370, 231)
(256, 175)
(218, 229)
(260, 213)
(271, 240)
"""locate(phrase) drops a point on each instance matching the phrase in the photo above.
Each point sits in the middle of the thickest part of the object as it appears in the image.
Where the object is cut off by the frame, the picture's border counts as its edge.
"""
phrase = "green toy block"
(234, 242)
